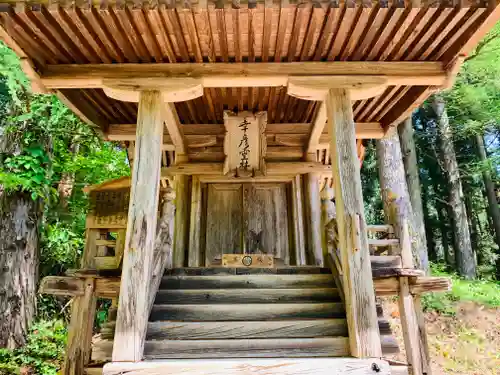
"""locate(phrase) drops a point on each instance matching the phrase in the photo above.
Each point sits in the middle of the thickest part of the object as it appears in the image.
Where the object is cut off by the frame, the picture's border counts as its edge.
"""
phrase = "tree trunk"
(409, 154)
(395, 197)
(66, 184)
(448, 253)
(428, 227)
(19, 222)
(464, 255)
(493, 210)
(472, 224)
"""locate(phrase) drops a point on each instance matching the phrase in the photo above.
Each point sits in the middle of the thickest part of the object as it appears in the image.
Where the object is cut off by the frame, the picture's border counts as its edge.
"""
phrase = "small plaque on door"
(248, 260)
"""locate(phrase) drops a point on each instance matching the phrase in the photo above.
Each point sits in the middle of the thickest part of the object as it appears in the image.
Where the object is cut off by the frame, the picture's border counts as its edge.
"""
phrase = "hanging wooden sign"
(245, 143)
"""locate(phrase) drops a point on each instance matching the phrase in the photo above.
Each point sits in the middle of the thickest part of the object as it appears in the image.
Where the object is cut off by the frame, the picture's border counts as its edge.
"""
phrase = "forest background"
(47, 155)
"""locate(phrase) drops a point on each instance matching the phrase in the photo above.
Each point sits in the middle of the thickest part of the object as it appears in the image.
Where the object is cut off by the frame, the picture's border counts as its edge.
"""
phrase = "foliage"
(43, 353)
(483, 292)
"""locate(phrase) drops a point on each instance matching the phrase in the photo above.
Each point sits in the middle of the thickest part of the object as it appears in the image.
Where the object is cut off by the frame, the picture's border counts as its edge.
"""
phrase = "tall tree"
(410, 162)
(395, 197)
(464, 255)
(493, 208)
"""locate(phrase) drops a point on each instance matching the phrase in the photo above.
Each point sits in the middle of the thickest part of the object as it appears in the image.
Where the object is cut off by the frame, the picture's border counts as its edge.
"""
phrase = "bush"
(43, 353)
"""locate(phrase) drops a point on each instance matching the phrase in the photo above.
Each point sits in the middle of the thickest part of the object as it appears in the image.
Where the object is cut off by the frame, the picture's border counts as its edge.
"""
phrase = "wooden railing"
(393, 274)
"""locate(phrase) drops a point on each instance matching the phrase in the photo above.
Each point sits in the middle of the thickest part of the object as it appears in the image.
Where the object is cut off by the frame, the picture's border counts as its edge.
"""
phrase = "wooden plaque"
(248, 260)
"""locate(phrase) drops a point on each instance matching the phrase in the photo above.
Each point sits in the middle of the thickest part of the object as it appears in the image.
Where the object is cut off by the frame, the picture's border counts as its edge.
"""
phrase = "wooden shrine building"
(240, 244)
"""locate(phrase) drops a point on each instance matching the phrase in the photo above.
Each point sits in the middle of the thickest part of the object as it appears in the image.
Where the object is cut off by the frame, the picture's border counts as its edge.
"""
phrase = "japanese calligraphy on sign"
(244, 143)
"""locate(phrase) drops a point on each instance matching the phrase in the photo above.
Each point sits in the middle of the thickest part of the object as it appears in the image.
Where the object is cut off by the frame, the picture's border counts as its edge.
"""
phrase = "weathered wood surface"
(353, 242)
(78, 348)
(224, 221)
(163, 248)
(410, 327)
(265, 208)
(170, 330)
(247, 295)
(109, 287)
(181, 233)
(245, 329)
(313, 220)
(284, 134)
(195, 224)
(242, 74)
(141, 231)
(297, 204)
(262, 311)
(248, 281)
(257, 260)
(246, 348)
(270, 366)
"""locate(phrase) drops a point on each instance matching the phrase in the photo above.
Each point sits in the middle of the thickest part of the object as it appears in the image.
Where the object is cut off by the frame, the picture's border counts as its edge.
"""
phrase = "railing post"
(361, 312)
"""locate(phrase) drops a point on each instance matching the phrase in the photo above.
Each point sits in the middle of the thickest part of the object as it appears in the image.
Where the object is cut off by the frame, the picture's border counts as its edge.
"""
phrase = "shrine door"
(246, 219)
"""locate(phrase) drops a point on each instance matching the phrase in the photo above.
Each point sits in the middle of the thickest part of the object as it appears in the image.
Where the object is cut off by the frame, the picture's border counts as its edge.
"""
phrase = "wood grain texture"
(270, 366)
(313, 219)
(78, 347)
(267, 230)
(263, 311)
(194, 253)
(297, 205)
(248, 281)
(224, 221)
(227, 296)
(359, 290)
(169, 330)
(181, 233)
(163, 251)
(410, 327)
(247, 329)
(141, 230)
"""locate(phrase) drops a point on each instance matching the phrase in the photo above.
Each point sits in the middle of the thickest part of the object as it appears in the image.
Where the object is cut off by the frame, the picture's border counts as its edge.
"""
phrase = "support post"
(313, 217)
(182, 199)
(364, 337)
(298, 221)
(194, 254)
(79, 344)
(133, 305)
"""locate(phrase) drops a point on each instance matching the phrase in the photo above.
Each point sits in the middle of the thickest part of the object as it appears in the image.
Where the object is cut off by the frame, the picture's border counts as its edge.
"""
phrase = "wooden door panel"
(266, 220)
(224, 221)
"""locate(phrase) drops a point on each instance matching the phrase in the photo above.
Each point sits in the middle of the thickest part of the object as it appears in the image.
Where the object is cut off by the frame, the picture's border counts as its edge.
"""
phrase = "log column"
(133, 305)
(364, 337)
(313, 217)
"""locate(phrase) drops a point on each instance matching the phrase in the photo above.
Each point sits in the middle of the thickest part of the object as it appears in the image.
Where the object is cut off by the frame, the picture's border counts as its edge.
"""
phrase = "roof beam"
(196, 135)
(317, 129)
(172, 124)
(240, 74)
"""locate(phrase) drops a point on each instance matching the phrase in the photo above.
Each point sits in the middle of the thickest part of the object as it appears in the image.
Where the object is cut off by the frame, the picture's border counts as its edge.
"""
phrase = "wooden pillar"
(194, 254)
(313, 219)
(182, 199)
(78, 347)
(133, 304)
(83, 310)
(364, 337)
(298, 221)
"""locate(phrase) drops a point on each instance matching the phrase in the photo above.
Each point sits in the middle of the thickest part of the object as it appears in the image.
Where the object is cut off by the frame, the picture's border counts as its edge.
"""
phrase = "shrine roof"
(53, 33)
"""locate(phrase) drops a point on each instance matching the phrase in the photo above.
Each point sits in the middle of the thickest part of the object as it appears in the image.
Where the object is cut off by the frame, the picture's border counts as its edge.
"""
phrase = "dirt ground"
(465, 344)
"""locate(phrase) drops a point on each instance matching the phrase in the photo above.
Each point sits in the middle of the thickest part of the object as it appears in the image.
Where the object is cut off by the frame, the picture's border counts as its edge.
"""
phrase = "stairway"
(239, 313)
